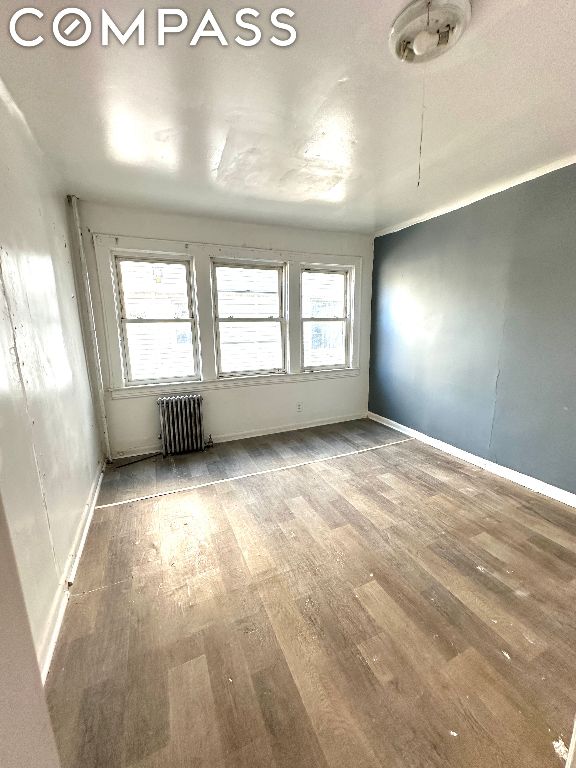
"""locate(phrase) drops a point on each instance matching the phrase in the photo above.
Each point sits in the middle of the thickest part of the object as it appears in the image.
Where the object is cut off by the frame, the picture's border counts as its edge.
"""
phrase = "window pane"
(160, 350)
(154, 291)
(250, 347)
(324, 343)
(323, 294)
(244, 292)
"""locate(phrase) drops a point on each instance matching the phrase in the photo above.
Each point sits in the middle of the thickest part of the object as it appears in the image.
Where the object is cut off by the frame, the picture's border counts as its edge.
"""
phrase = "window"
(325, 319)
(249, 312)
(158, 332)
(178, 315)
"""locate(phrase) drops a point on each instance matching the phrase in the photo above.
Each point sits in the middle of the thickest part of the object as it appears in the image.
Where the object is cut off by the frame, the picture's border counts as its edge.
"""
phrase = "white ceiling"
(325, 133)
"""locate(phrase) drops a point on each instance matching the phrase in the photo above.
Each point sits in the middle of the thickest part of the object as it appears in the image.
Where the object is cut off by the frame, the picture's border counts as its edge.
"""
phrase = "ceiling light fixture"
(428, 28)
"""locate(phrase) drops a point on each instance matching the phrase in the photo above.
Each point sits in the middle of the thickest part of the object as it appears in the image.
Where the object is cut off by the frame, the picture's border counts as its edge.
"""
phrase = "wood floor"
(394, 608)
(238, 458)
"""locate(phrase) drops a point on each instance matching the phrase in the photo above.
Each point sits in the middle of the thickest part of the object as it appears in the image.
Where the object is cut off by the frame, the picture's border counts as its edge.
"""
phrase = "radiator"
(181, 424)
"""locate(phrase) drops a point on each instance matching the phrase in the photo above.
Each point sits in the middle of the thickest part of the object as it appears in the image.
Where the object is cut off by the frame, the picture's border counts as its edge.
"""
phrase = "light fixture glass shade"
(424, 31)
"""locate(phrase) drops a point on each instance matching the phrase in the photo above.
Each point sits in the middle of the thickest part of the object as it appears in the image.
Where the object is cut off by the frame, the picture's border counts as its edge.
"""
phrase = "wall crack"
(19, 365)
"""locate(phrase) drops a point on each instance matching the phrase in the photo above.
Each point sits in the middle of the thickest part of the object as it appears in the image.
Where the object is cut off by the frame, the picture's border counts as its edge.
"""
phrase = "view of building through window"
(250, 317)
(157, 324)
(324, 319)
(156, 320)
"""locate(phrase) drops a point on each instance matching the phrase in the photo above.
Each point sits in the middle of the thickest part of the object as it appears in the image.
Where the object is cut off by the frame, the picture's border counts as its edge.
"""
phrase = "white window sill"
(175, 388)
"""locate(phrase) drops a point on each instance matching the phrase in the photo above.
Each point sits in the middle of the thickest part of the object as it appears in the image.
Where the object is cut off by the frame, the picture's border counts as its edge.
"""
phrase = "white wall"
(26, 737)
(239, 410)
(49, 446)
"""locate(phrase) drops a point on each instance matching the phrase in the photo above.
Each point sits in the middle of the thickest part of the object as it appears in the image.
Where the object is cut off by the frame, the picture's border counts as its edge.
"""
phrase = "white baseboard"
(61, 599)
(55, 625)
(82, 533)
(259, 432)
(571, 759)
(143, 450)
(286, 428)
(551, 491)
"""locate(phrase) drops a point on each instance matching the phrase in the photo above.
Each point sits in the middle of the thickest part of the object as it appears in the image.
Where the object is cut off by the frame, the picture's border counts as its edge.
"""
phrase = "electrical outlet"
(299, 407)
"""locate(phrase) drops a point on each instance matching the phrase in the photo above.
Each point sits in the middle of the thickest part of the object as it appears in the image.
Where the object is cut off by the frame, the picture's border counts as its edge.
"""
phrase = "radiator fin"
(181, 427)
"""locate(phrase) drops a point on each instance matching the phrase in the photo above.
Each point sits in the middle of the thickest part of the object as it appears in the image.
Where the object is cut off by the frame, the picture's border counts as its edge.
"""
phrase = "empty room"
(288, 385)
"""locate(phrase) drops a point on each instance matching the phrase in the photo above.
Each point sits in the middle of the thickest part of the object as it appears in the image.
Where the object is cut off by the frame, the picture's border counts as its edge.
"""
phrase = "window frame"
(103, 247)
(122, 320)
(281, 268)
(347, 319)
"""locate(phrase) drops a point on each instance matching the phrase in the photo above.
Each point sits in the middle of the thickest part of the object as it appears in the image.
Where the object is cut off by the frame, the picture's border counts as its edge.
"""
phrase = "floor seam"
(187, 489)
(99, 589)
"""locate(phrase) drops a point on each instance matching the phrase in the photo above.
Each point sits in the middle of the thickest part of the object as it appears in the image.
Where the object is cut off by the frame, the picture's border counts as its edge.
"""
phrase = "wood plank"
(396, 608)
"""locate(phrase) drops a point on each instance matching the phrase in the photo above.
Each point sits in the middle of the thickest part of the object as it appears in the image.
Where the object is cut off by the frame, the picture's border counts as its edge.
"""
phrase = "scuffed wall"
(49, 445)
(26, 737)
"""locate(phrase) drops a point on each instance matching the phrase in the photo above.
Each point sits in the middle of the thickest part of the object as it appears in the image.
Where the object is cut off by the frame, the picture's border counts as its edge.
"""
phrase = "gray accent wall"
(474, 328)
